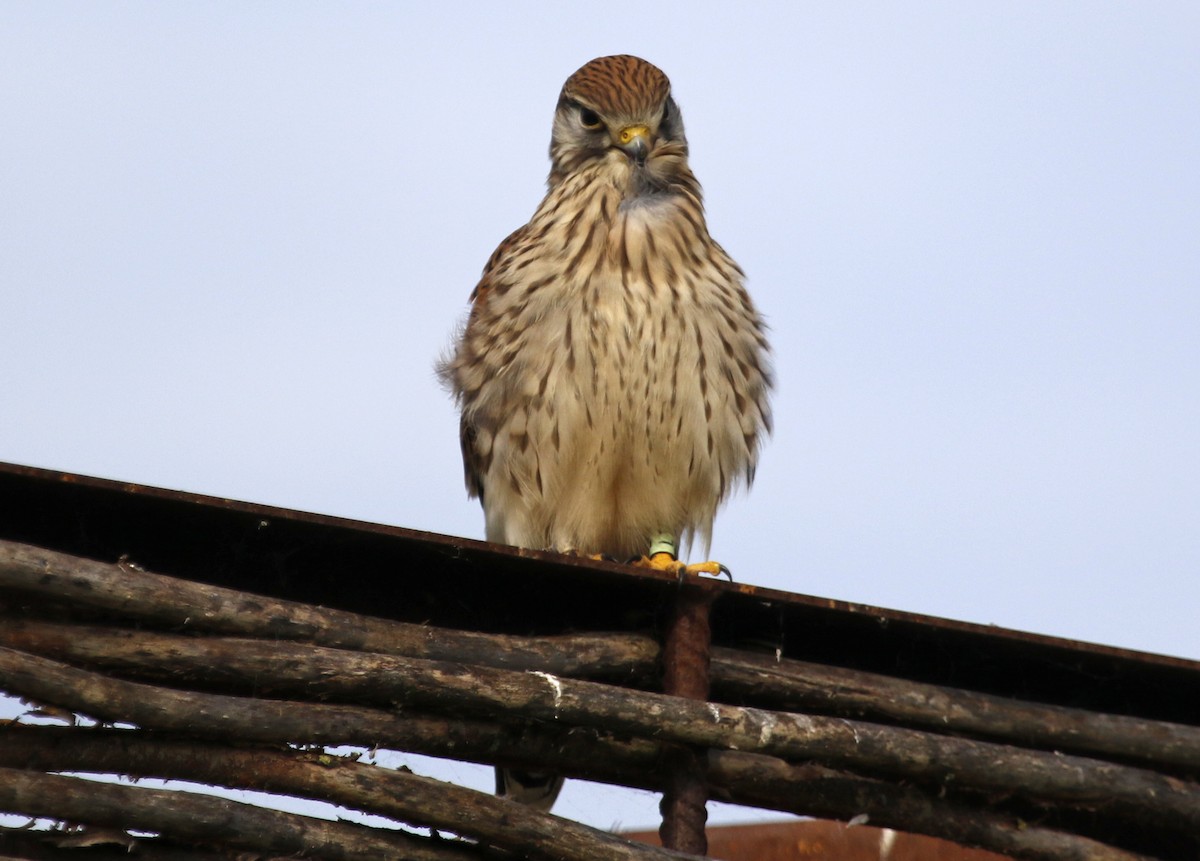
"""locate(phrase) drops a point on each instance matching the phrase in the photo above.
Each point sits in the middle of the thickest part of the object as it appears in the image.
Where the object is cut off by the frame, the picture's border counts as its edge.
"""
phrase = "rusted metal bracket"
(686, 649)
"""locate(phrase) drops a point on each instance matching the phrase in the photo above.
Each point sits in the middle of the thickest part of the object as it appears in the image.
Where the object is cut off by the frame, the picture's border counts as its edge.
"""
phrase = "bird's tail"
(538, 789)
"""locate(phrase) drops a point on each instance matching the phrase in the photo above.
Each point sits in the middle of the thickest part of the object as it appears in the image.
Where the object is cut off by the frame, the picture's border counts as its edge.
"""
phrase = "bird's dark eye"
(589, 118)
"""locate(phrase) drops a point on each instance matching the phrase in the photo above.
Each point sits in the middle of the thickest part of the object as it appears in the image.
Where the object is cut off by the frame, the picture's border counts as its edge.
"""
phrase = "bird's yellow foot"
(663, 561)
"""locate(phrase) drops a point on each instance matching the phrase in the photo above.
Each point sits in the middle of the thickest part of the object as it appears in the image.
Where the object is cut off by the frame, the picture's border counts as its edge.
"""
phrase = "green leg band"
(663, 543)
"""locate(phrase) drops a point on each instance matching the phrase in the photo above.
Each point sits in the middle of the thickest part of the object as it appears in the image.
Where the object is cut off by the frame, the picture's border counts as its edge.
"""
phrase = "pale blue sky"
(234, 237)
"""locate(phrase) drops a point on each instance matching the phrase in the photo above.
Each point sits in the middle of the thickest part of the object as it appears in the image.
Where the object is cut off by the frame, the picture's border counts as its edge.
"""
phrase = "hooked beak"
(635, 141)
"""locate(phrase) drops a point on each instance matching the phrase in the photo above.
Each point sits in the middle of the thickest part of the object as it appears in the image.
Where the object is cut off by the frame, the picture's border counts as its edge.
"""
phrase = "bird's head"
(619, 109)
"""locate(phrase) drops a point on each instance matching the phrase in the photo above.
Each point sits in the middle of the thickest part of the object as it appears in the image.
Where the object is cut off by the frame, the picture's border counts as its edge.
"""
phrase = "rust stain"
(820, 840)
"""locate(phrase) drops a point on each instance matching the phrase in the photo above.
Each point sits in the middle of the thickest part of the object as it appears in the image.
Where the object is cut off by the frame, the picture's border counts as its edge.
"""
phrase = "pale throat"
(640, 191)
(648, 207)
(647, 210)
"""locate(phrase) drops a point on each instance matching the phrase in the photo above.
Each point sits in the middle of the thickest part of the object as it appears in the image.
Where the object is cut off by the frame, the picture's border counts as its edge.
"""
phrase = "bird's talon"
(663, 561)
(715, 569)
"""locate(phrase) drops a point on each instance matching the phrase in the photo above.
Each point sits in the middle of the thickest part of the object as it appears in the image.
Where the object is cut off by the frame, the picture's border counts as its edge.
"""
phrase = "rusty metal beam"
(686, 653)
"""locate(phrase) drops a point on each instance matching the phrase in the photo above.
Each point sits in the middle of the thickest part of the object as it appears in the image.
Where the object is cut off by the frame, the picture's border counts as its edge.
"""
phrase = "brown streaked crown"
(620, 85)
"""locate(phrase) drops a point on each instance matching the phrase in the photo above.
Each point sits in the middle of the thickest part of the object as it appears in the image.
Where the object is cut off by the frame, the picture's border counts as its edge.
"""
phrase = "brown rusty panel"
(445, 580)
(818, 840)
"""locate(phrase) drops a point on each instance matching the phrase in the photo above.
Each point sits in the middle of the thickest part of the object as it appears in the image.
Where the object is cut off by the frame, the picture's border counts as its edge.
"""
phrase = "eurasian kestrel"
(613, 373)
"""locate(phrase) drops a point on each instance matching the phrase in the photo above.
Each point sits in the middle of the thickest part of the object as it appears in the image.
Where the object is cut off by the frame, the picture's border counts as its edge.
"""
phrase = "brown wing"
(476, 457)
(474, 464)
(493, 266)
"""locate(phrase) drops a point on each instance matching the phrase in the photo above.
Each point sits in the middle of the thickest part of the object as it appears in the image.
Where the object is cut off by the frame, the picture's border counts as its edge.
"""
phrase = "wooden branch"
(188, 605)
(205, 819)
(738, 777)
(791, 685)
(585, 754)
(395, 794)
(91, 844)
(285, 669)
(787, 685)
(776, 785)
(1046, 779)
